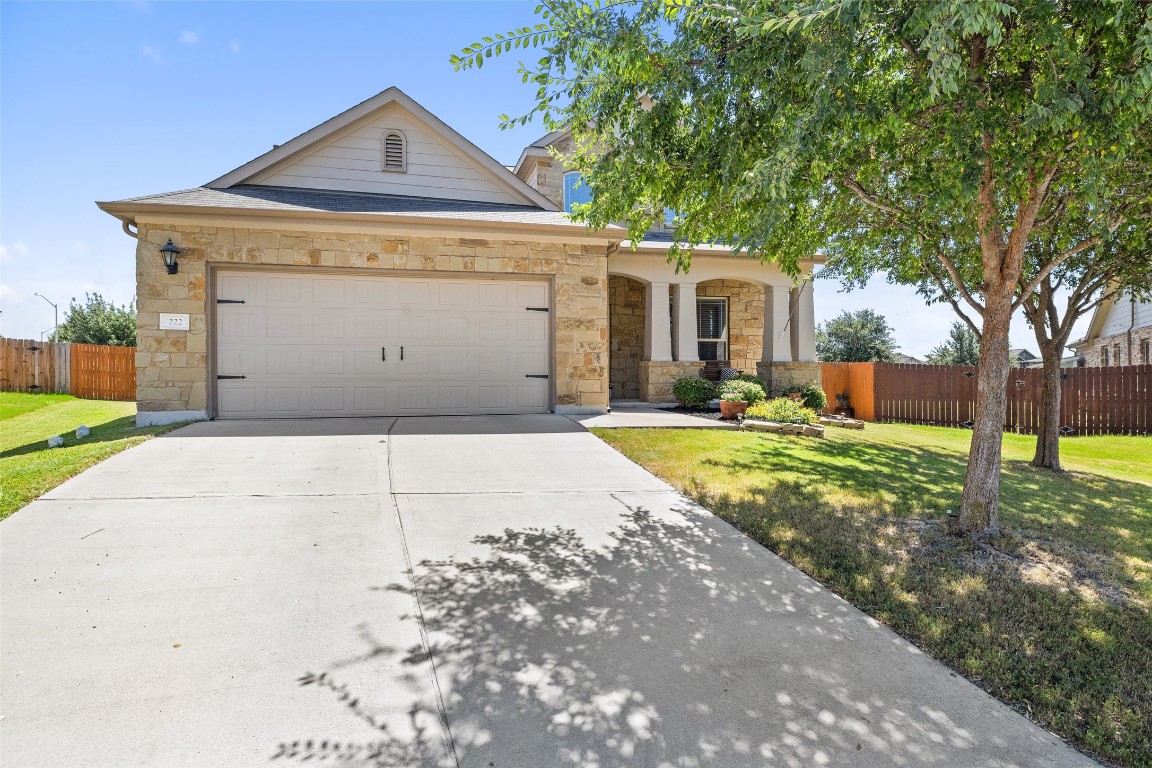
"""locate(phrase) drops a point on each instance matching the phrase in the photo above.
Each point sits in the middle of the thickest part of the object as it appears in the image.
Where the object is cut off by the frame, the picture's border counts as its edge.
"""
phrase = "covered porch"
(737, 311)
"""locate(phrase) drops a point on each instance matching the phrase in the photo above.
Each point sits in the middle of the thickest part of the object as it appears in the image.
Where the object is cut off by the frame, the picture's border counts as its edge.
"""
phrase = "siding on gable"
(352, 162)
(1120, 316)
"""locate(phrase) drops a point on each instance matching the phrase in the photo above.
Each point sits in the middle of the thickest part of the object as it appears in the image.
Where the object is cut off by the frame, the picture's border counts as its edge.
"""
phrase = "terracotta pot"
(730, 409)
(795, 396)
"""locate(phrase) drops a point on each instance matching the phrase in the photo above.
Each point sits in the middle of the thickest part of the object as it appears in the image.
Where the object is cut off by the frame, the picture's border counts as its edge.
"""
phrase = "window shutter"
(394, 159)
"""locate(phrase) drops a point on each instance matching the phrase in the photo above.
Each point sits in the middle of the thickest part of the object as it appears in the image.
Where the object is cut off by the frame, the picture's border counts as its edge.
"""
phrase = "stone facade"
(1117, 346)
(626, 306)
(745, 319)
(172, 366)
(657, 378)
(780, 376)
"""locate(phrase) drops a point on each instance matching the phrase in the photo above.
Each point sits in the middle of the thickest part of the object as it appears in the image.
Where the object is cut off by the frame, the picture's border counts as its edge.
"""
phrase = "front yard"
(1053, 619)
(29, 469)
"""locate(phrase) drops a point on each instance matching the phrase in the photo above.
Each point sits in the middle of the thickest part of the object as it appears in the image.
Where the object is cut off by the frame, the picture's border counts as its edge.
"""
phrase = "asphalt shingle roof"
(296, 199)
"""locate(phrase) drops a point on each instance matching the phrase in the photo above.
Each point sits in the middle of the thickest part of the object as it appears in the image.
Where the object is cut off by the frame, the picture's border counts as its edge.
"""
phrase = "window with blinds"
(712, 328)
(394, 154)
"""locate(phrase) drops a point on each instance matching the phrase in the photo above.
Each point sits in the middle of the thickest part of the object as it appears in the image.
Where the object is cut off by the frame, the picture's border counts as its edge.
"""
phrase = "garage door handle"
(383, 355)
(535, 375)
(401, 353)
(222, 376)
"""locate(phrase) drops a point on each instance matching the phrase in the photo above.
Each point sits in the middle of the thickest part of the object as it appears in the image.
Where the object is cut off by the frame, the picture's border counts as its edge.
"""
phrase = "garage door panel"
(310, 345)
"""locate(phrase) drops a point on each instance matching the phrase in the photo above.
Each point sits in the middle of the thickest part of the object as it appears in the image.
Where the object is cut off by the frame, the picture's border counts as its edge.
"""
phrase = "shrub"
(738, 389)
(752, 378)
(693, 391)
(784, 410)
(813, 397)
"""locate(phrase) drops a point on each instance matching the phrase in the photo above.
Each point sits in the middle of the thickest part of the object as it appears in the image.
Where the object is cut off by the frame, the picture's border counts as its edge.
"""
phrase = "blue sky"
(106, 100)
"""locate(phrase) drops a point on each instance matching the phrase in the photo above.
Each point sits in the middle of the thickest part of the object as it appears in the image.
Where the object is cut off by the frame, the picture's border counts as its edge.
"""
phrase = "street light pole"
(56, 322)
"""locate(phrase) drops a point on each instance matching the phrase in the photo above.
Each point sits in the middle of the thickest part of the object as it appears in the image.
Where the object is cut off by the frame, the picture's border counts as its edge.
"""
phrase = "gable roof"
(363, 112)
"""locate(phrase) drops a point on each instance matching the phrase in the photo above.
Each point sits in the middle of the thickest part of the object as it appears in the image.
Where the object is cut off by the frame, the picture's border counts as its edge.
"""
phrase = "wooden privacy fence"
(1093, 401)
(84, 370)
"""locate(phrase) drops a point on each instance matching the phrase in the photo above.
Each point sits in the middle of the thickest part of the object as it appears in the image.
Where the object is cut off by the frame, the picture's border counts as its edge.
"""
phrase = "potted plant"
(793, 392)
(736, 395)
(813, 397)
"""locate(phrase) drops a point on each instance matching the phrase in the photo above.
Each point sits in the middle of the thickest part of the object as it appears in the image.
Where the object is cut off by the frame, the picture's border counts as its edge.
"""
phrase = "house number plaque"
(170, 322)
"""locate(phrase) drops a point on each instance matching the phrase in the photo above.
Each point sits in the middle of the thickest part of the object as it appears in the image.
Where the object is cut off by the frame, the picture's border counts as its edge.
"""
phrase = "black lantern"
(170, 252)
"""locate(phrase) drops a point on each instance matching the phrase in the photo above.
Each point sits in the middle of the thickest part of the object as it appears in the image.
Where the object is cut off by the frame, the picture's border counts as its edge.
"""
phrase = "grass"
(29, 469)
(1052, 618)
(15, 403)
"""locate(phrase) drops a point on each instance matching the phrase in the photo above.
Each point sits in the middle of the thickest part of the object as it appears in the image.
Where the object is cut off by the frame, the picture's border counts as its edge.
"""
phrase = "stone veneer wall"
(1093, 354)
(626, 306)
(656, 379)
(745, 319)
(782, 375)
(171, 366)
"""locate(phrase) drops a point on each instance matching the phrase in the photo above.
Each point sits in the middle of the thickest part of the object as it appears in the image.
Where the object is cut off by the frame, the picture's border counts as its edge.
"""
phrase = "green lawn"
(28, 468)
(1053, 618)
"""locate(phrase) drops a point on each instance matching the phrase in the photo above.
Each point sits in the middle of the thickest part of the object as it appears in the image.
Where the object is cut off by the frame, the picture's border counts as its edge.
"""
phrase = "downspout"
(124, 225)
(1131, 324)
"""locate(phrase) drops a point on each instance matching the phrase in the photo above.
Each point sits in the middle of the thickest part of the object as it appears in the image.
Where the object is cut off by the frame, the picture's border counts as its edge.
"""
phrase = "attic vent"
(394, 159)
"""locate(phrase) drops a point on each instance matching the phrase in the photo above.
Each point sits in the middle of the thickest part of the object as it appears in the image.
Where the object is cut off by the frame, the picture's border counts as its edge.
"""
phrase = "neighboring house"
(908, 359)
(1120, 333)
(381, 264)
(1024, 358)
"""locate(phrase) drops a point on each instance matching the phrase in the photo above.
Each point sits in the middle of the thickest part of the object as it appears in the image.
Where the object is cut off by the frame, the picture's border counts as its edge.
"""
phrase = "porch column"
(777, 336)
(684, 321)
(805, 322)
(657, 324)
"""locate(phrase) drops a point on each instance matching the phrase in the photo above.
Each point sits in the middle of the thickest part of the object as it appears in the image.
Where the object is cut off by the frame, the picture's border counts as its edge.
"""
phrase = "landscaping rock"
(840, 421)
(55, 441)
(82, 431)
(813, 430)
(763, 426)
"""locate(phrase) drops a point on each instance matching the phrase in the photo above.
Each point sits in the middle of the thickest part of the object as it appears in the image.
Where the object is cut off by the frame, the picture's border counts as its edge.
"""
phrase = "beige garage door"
(298, 344)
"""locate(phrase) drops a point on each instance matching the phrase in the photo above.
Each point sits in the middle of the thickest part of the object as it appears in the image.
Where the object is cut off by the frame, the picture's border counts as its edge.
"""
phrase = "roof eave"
(129, 212)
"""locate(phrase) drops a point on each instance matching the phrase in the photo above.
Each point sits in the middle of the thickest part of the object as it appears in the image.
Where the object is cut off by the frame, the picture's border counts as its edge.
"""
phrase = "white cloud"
(79, 248)
(189, 37)
(12, 253)
(152, 53)
(8, 295)
(234, 46)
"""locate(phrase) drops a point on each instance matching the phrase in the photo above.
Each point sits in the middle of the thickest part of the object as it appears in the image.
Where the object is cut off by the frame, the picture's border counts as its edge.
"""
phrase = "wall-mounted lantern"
(170, 252)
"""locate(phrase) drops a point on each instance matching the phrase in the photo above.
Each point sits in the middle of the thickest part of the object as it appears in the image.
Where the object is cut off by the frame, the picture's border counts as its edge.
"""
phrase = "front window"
(712, 328)
(1116, 355)
(575, 190)
(1104, 357)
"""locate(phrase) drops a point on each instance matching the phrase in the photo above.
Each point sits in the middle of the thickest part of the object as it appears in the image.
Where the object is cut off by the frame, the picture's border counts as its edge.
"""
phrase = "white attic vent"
(394, 152)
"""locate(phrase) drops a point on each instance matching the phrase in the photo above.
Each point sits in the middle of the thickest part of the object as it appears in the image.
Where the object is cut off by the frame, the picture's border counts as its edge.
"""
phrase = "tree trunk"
(980, 504)
(1048, 438)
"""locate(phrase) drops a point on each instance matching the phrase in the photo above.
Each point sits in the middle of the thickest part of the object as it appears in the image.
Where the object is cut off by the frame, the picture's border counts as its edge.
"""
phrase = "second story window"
(575, 190)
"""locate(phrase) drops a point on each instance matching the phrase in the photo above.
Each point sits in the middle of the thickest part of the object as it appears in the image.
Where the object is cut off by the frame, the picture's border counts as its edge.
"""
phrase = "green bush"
(813, 397)
(750, 377)
(784, 410)
(693, 391)
(739, 389)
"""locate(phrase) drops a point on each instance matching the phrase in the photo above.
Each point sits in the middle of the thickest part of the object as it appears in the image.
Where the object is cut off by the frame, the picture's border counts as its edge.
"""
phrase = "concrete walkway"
(239, 594)
(643, 415)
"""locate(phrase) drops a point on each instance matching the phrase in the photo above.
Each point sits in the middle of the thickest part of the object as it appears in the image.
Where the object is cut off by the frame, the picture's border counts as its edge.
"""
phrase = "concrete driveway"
(498, 591)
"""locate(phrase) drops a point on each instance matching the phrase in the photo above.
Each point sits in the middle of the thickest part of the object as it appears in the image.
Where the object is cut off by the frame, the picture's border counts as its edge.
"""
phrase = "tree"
(1075, 288)
(961, 348)
(923, 140)
(856, 337)
(99, 321)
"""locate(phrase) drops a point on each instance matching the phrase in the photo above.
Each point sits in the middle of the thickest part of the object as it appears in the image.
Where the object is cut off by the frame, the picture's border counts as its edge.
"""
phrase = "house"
(904, 359)
(1120, 333)
(382, 264)
(1023, 358)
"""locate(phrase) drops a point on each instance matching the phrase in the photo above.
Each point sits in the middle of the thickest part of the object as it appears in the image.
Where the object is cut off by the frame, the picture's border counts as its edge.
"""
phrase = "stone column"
(805, 323)
(777, 337)
(684, 321)
(657, 325)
